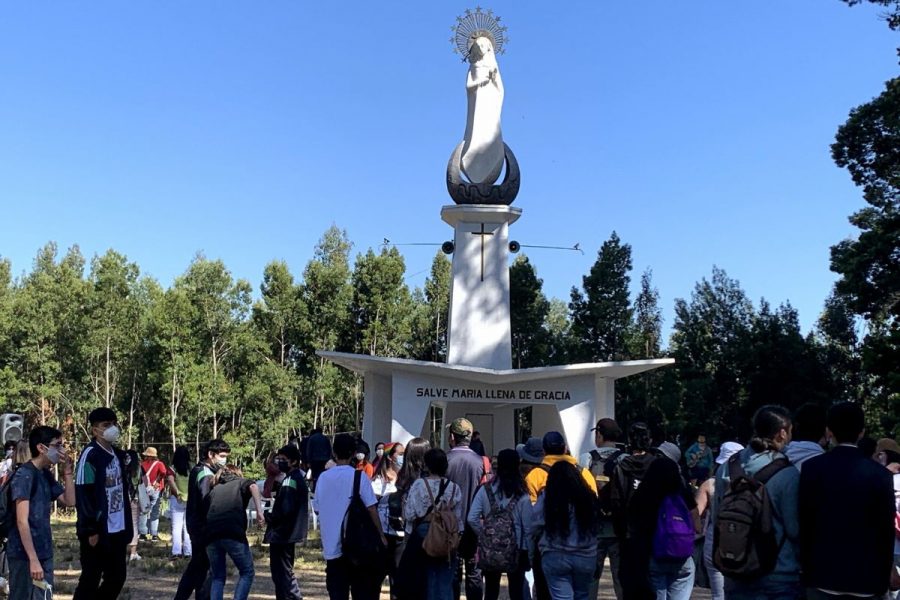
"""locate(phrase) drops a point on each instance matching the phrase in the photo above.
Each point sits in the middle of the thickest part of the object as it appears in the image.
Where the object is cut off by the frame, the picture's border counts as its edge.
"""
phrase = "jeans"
(181, 539)
(608, 547)
(20, 585)
(342, 579)
(672, 579)
(243, 560)
(716, 580)
(151, 517)
(568, 576)
(103, 567)
(440, 575)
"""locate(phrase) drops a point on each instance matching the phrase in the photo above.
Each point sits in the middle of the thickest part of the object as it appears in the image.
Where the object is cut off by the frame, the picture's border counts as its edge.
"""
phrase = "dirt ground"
(156, 576)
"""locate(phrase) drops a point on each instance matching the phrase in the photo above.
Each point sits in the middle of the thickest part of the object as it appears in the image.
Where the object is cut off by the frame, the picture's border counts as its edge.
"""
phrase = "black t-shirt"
(226, 516)
(198, 487)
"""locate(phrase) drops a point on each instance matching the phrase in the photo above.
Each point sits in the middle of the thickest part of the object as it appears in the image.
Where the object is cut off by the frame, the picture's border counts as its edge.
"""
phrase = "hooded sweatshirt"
(626, 478)
(800, 452)
(537, 479)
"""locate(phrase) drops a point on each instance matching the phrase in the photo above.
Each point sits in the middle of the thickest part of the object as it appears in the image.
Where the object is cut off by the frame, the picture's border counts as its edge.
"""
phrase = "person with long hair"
(177, 480)
(390, 505)
(385, 480)
(379, 454)
(413, 463)
(504, 494)
(662, 576)
(225, 530)
(565, 530)
(433, 577)
(771, 433)
(136, 490)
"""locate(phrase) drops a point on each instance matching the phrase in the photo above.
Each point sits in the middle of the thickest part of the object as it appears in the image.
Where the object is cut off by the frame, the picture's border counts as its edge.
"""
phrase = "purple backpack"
(674, 537)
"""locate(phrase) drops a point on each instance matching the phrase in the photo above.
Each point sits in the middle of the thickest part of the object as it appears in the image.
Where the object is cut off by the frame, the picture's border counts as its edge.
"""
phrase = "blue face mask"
(398, 460)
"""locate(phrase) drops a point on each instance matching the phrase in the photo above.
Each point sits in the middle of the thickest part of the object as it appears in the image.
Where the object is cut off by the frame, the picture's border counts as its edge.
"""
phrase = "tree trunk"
(106, 375)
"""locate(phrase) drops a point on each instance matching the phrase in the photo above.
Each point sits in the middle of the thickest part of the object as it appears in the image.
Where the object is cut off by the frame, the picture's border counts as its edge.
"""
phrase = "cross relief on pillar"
(482, 234)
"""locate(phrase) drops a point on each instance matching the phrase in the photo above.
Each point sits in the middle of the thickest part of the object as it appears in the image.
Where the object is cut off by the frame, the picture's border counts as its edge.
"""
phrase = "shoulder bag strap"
(770, 470)
(492, 499)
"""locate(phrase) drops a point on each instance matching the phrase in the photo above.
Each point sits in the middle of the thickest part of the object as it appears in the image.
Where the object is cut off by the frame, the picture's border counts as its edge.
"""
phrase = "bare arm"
(34, 566)
(67, 498)
(257, 500)
(173, 489)
(703, 496)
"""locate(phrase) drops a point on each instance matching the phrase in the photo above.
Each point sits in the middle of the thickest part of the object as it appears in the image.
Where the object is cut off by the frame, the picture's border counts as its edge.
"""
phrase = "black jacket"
(91, 501)
(846, 523)
(289, 519)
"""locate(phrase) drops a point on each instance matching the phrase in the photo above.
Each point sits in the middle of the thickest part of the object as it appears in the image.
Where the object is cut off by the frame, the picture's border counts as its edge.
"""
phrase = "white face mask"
(53, 454)
(360, 456)
(379, 453)
(221, 460)
(111, 434)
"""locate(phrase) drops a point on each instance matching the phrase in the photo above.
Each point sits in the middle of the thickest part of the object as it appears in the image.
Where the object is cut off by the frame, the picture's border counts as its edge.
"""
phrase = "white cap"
(727, 450)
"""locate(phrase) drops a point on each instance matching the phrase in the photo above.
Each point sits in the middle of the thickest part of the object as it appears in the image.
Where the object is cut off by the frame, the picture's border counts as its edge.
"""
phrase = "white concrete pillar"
(478, 330)
(605, 397)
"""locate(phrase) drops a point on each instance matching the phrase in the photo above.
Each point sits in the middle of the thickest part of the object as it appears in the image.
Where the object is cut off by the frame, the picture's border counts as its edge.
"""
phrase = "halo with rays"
(475, 24)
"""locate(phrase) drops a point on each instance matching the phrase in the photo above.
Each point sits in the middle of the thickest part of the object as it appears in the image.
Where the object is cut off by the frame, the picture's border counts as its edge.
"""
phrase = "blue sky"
(699, 131)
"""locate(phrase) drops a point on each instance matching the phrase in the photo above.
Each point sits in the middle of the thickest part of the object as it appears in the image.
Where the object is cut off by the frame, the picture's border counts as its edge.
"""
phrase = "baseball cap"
(461, 426)
(553, 443)
(728, 450)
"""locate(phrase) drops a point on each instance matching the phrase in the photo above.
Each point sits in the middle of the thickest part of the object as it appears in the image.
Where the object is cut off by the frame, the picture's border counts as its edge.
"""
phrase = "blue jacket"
(783, 491)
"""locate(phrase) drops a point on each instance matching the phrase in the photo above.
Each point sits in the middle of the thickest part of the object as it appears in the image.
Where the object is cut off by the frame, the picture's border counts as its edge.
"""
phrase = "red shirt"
(156, 472)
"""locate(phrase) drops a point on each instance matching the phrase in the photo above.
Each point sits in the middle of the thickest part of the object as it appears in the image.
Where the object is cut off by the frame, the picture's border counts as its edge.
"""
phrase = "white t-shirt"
(115, 496)
(332, 498)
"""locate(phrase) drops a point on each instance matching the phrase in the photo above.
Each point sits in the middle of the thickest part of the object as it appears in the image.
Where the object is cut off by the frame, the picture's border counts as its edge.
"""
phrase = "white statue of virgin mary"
(483, 151)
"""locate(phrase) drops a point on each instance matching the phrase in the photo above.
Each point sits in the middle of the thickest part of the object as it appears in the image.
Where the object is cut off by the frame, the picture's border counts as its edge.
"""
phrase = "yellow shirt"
(537, 479)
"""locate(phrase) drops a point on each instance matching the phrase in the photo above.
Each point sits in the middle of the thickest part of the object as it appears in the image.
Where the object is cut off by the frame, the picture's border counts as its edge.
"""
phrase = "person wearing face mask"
(379, 454)
(361, 458)
(104, 513)
(6, 465)
(287, 523)
(33, 489)
(213, 456)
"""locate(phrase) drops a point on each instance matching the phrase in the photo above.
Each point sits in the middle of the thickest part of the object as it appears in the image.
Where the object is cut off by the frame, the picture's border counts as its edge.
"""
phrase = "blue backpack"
(674, 536)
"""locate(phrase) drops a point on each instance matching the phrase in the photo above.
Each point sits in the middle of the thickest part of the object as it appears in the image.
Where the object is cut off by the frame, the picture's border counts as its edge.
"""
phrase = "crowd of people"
(810, 508)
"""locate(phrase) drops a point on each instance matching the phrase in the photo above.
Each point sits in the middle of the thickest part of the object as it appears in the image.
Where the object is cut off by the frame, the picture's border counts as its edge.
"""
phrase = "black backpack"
(360, 539)
(744, 544)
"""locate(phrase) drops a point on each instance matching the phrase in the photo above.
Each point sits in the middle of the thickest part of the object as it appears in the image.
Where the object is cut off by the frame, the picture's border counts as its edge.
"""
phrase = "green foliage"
(601, 311)
(529, 309)
(868, 146)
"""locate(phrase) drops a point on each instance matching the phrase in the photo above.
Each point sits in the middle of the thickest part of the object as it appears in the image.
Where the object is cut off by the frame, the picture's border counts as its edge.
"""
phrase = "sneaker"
(143, 537)
(135, 556)
(155, 538)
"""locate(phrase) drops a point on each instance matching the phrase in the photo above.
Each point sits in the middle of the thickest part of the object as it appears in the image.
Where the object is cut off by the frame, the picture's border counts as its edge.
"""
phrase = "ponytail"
(767, 422)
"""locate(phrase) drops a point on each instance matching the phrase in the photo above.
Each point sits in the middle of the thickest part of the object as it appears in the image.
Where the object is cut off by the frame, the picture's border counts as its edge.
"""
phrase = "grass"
(156, 576)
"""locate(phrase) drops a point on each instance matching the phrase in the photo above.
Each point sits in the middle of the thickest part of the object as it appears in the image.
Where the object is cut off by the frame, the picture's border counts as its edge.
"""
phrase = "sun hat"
(150, 452)
(670, 451)
(727, 450)
(532, 451)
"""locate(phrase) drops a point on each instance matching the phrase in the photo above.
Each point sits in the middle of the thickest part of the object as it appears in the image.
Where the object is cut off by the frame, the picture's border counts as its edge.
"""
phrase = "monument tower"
(408, 398)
